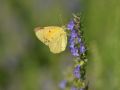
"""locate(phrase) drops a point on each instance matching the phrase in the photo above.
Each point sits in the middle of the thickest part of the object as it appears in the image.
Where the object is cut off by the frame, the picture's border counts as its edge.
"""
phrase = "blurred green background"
(27, 64)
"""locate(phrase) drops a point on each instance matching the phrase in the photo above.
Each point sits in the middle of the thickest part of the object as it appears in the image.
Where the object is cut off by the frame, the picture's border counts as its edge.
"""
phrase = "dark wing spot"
(46, 40)
(49, 31)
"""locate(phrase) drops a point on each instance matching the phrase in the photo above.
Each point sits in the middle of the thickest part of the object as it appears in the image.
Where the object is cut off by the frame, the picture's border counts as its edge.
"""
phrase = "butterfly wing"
(59, 42)
(42, 35)
(52, 36)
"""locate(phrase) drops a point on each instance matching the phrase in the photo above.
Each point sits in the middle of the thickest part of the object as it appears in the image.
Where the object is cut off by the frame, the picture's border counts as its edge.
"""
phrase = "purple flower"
(74, 51)
(73, 34)
(62, 85)
(76, 71)
(71, 41)
(79, 40)
(70, 25)
(82, 49)
(72, 46)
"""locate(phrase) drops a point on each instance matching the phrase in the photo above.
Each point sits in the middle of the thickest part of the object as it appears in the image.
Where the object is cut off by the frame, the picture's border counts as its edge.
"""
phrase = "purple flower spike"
(78, 49)
(63, 84)
(70, 25)
(76, 71)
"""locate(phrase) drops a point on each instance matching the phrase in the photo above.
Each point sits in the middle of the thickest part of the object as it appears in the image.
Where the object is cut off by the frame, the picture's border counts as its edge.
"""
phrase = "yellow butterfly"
(53, 36)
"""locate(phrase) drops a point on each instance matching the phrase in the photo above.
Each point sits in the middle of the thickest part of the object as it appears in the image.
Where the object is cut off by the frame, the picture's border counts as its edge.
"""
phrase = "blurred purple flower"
(74, 88)
(76, 71)
(79, 40)
(62, 85)
(82, 89)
